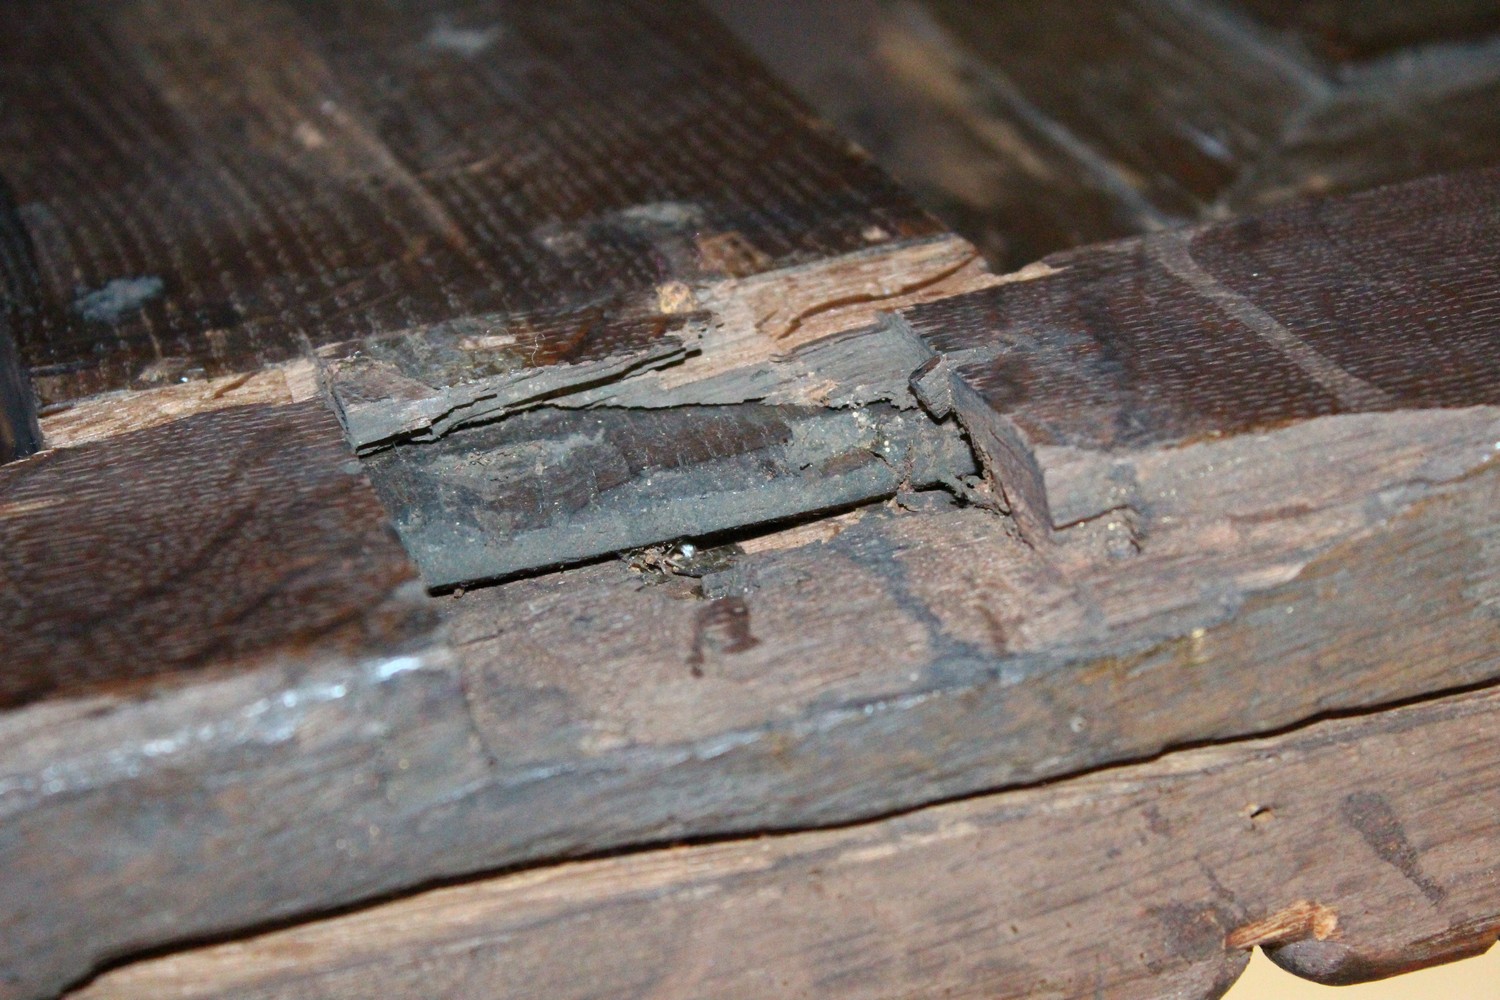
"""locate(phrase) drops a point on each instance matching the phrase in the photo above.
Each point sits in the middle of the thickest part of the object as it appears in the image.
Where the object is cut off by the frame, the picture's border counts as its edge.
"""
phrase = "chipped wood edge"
(99, 418)
(766, 316)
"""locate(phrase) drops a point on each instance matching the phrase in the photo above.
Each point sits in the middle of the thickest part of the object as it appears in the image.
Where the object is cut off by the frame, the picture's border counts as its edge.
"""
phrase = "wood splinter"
(1302, 920)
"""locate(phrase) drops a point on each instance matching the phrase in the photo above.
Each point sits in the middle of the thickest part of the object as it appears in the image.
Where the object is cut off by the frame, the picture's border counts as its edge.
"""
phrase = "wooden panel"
(212, 540)
(1319, 845)
(306, 742)
(165, 593)
(210, 186)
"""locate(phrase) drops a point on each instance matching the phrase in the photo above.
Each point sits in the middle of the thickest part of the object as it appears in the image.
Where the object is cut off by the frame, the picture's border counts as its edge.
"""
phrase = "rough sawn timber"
(1340, 558)
(1148, 882)
(166, 593)
(907, 658)
(333, 753)
(1381, 302)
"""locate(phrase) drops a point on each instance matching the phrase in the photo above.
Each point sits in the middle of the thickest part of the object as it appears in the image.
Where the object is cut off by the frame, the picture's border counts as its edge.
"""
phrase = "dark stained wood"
(1171, 338)
(888, 77)
(213, 186)
(882, 663)
(401, 389)
(227, 578)
(227, 664)
(1203, 580)
(417, 389)
(1141, 882)
(1165, 101)
(1379, 302)
(210, 541)
(792, 402)
(19, 433)
(1032, 130)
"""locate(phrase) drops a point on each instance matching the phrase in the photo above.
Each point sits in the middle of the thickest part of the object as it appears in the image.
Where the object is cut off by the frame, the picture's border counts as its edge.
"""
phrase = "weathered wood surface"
(213, 186)
(412, 388)
(1170, 103)
(886, 78)
(238, 184)
(208, 542)
(1149, 881)
(904, 660)
(1379, 302)
(794, 402)
(880, 662)
(238, 550)
(102, 417)
(551, 487)
(1061, 376)
(1032, 131)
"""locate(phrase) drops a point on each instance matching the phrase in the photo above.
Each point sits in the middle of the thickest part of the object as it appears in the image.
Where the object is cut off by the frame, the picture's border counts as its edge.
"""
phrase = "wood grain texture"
(893, 80)
(214, 186)
(1167, 101)
(1148, 881)
(282, 732)
(897, 660)
(200, 543)
(418, 388)
(794, 402)
(167, 594)
(1379, 302)
(1204, 581)
(104, 416)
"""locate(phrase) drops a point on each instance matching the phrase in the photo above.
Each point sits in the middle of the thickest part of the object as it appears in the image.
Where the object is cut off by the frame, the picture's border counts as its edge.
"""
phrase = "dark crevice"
(728, 538)
(20, 434)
